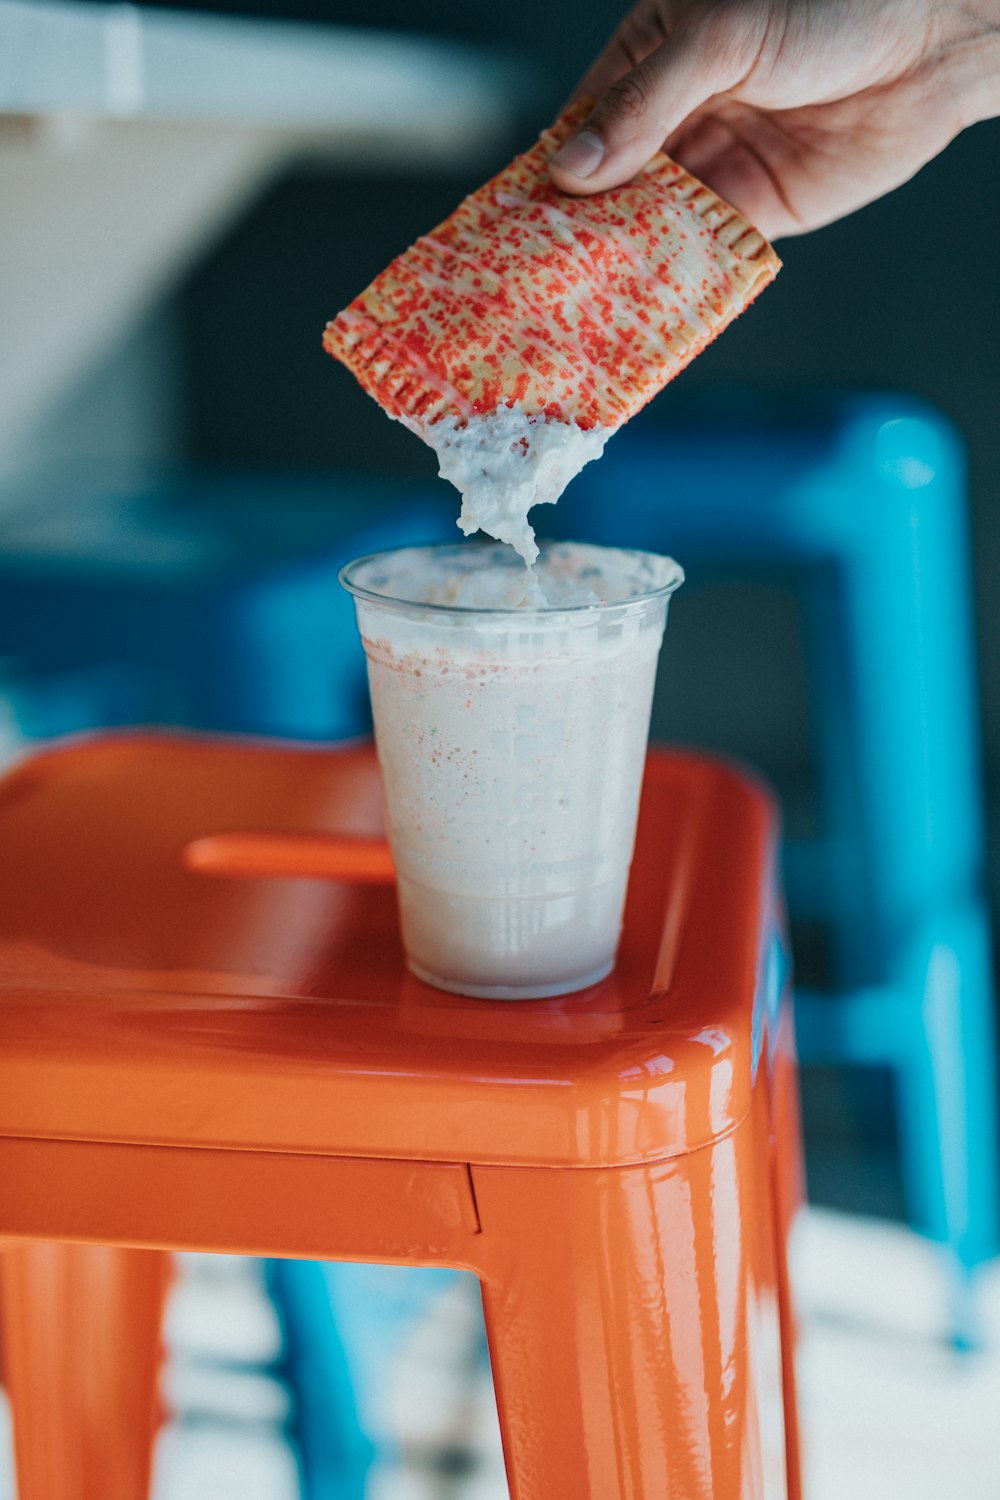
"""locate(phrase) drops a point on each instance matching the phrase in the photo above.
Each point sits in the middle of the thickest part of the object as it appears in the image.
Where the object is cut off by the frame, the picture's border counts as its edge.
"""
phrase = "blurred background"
(185, 198)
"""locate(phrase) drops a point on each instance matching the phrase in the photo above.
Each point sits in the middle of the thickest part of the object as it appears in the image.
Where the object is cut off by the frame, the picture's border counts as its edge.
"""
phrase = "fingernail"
(582, 155)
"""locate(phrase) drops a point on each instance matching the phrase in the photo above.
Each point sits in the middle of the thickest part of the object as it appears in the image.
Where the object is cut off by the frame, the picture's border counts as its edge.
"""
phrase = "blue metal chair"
(865, 505)
(196, 600)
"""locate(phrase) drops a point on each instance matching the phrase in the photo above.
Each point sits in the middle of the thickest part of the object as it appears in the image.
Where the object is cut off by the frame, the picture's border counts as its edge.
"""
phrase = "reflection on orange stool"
(209, 1040)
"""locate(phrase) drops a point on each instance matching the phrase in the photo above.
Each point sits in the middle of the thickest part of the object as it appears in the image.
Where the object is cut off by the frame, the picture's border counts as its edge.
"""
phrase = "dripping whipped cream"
(505, 462)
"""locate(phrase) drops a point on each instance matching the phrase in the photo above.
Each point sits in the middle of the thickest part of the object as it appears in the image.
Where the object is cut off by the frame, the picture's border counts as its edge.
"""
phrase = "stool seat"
(158, 1003)
(209, 1040)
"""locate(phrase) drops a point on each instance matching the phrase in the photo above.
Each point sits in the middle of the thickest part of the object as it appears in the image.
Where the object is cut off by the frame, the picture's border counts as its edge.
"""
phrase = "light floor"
(890, 1411)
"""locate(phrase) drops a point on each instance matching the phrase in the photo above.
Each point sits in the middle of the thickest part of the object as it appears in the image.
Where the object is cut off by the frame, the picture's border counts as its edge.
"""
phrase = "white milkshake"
(511, 719)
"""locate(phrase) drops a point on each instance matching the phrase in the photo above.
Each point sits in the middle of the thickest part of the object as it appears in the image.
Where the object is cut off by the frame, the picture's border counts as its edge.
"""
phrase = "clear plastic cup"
(511, 742)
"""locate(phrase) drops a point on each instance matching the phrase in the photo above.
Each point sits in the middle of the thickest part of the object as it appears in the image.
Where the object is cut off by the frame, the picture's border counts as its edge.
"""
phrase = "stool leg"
(81, 1329)
(634, 1331)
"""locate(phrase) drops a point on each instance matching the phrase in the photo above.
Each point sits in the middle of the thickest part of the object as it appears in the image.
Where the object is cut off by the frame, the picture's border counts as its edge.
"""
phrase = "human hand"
(794, 111)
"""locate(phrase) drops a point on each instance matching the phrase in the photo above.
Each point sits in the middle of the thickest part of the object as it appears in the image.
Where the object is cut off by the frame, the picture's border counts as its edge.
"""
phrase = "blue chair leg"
(912, 917)
(335, 1455)
(947, 1104)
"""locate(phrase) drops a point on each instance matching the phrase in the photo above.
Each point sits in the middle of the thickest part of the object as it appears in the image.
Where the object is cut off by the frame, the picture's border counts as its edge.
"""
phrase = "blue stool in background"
(356, 1340)
(196, 600)
(867, 505)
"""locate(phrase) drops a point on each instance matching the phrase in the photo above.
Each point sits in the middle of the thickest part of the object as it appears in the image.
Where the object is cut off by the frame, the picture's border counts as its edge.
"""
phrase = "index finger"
(646, 26)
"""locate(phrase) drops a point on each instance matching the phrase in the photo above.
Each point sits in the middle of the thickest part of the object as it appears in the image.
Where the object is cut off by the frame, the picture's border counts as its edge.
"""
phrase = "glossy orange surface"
(184, 1005)
(208, 1040)
(76, 1318)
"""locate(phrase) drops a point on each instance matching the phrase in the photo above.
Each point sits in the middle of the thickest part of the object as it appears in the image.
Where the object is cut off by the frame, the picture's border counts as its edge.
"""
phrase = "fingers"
(740, 179)
(640, 33)
(653, 99)
(739, 155)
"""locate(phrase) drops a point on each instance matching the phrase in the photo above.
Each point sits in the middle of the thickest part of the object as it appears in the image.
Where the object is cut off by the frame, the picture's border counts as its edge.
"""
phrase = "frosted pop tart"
(518, 335)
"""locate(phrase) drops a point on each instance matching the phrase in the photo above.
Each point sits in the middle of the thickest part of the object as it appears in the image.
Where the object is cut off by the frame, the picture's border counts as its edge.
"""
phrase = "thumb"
(633, 118)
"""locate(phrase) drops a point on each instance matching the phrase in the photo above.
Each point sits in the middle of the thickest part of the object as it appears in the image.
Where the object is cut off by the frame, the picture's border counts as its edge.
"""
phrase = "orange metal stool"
(209, 1040)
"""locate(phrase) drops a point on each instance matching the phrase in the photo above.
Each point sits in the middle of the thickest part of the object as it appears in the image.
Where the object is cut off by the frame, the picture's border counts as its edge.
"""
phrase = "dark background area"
(903, 295)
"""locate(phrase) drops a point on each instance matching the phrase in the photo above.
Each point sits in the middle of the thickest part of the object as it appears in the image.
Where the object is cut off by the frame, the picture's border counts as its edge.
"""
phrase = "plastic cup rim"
(371, 596)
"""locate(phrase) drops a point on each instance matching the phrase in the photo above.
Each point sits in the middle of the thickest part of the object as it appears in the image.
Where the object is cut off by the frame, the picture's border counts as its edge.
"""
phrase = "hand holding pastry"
(518, 335)
(794, 111)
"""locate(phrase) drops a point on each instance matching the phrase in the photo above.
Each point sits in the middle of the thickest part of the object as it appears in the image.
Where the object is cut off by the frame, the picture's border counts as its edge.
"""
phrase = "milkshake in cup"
(511, 714)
